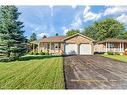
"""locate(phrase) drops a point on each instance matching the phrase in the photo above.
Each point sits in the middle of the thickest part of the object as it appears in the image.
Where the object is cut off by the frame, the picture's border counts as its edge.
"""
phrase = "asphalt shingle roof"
(53, 39)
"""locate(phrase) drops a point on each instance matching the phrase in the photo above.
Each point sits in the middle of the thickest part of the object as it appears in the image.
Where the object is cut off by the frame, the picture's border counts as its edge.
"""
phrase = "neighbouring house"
(76, 44)
(79, 44)
(111, 45)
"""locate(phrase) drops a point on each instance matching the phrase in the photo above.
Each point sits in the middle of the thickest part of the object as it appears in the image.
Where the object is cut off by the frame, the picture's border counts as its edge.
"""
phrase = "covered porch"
(114, 45)
(51, 47)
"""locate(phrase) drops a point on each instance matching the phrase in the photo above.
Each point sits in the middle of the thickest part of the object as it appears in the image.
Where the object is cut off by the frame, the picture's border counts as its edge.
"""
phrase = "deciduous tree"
(107, 28)
(72, 32)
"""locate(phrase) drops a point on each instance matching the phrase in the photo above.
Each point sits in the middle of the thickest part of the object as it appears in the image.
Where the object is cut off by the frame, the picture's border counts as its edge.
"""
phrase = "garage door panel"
(85, 49)
(71, 49)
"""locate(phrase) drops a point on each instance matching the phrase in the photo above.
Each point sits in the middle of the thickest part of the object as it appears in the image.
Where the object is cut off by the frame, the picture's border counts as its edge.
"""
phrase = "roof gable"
(78, 34)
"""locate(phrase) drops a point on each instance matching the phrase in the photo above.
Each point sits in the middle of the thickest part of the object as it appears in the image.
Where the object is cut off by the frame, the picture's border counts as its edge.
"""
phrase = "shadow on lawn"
(39, 57)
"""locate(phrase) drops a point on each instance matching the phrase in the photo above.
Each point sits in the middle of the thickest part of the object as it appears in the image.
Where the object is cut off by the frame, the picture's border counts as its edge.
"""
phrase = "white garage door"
(85, 49)
(71, 49)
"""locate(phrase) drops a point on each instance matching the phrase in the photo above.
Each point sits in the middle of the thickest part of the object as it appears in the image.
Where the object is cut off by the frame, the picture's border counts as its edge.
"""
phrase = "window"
(56, 46)
(46, 46)
(52, 46)
(110, 45)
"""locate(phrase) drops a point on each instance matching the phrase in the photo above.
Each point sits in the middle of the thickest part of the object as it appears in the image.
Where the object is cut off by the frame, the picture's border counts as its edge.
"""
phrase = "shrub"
(105, 53)
(31, 53)
(110, 53)
(42, 53)
(7, 59)
(121, 53)
(117, 53)
(36, 53)
(46, 53)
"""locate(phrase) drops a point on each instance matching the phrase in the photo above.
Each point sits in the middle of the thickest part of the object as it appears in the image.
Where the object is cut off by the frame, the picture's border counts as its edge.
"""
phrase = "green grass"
(33, 73)
(117, 57)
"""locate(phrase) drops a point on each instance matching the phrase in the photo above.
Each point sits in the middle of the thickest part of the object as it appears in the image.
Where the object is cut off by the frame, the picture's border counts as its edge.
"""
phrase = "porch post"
(106, 46)
(38, 48)
(114, 49)
(120, 47)
(33, 47)
(50, 47)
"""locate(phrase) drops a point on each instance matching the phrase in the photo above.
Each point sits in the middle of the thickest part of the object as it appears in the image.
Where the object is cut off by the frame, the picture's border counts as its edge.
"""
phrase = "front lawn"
(33, 73)
(117, 57)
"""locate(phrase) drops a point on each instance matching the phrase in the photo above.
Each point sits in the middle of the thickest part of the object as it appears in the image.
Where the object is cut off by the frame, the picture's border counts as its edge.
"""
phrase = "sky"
(49, 20)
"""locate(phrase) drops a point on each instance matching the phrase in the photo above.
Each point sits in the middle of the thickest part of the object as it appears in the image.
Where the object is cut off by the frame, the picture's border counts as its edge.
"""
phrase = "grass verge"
(117, 57)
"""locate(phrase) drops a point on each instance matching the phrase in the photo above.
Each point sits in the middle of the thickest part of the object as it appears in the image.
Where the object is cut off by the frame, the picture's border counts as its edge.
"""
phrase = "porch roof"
(34, 42)
(113, 40)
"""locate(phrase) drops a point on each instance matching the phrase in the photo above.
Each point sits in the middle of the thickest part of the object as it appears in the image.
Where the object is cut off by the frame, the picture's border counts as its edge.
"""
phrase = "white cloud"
(88, 15)
(36, 29)
(51, 7)
(65, 30)
(91, 16)
(115, 10)
(74, 6)
(77, 23)
(122, 18)
(42, 34)
(87, 8)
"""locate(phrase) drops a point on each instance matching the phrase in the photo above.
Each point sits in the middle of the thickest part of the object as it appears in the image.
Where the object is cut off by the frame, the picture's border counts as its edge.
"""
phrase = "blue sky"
(49, 20)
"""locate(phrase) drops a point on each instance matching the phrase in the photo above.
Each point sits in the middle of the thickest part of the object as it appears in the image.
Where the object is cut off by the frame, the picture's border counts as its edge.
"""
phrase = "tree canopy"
(72, 32)
(12, 40)
(107, 28)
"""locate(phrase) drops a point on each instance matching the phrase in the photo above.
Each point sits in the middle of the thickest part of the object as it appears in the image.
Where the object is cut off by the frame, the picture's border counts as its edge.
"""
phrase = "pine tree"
(57, 34)
(33, 37)
(44, 37)
(12, 40)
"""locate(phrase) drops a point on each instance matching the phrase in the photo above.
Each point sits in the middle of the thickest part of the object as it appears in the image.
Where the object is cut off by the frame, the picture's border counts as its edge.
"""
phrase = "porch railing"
(114, 49)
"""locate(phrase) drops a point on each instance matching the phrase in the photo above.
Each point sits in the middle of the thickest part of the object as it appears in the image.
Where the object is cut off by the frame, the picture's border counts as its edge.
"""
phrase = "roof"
(113, 40)
(34, 42)
(53, 39)
(79, 35)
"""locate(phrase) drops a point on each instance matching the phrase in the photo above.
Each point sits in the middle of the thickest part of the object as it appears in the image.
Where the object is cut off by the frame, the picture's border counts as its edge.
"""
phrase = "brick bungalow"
(76, 44)
(80, 44)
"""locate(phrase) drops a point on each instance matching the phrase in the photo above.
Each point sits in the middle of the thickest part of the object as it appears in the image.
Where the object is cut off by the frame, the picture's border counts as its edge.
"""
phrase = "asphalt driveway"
(94, 72)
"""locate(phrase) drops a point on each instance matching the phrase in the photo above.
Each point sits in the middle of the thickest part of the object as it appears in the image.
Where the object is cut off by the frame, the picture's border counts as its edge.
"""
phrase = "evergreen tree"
(57, 34)
(33, 37)
(12, 40)
(44, 37)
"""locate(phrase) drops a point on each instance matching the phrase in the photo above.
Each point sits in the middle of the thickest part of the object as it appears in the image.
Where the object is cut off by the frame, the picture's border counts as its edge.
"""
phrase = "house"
(111, 45)
(76, 44)
(79, 44)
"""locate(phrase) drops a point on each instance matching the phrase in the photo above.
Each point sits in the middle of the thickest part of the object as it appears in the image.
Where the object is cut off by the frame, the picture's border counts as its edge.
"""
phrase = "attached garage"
(71, 49)
(85, 49)
(78, 44)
